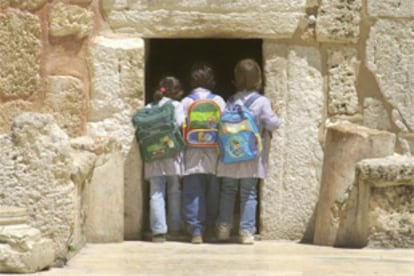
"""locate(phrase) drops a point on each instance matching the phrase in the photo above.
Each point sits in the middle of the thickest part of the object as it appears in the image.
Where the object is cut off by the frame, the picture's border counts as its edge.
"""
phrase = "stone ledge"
(389, 171)
(12, 215)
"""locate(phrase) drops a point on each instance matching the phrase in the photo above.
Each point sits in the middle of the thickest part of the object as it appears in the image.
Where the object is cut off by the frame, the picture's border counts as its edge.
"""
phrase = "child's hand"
(275, 107)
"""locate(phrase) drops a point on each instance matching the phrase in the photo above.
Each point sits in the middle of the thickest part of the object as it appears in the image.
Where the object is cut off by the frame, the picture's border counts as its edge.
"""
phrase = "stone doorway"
(176, 56)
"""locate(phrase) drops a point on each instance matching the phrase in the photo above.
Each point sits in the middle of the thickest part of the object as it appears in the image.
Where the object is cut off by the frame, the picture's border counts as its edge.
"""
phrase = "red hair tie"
(162, 90)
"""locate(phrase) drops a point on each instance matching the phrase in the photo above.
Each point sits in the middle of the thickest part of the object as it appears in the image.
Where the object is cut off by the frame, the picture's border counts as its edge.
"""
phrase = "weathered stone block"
(12, 215)
(66, 100)
(67, 20)
(10, 110)
(135, 190)
(338, 21)
(26, 4)
(22, 249)
(28, 179)
(343, 68)
(117, 67)
(19, 53)
(408, 140)
(117, 86)
(289, 194)
(375, 114)
(83, 159)
(391, 217)
(345, 145)
(105, 195)
(267, 19)
(117, 83)
(390, 8)
(385, 207)
(390, 51)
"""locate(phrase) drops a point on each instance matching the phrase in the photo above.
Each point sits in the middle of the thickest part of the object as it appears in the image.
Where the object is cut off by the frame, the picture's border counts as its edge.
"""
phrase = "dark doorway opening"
(176, 56)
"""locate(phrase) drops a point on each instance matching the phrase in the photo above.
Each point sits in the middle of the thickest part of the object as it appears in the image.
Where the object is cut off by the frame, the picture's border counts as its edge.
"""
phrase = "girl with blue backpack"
(244, 156)
(165, 173)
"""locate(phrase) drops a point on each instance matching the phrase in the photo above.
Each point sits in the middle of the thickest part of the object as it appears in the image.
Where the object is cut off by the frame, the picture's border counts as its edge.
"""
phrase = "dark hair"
(247, 75)
(202, 75)
(170, 87)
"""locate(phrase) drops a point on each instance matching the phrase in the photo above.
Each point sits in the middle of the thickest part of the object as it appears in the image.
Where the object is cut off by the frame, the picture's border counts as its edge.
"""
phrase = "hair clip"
(162, 90)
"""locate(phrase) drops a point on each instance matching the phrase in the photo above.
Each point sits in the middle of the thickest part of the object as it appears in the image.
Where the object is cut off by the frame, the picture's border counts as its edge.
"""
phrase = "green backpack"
(156, 132)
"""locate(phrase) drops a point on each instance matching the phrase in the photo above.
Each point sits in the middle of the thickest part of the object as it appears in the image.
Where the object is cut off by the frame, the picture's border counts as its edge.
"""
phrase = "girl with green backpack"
(165, 173)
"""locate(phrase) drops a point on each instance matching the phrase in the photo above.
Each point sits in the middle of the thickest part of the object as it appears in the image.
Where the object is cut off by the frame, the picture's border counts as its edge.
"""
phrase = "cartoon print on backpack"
(203, 116)
(157, 133)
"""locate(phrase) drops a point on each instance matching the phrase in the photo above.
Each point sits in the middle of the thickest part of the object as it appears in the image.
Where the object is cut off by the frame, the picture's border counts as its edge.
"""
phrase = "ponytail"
(169, 87)
(158, 94)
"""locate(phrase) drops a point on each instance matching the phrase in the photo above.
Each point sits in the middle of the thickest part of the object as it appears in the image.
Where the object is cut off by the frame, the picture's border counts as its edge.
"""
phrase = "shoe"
(246, 237)
(196, 239)
(158, 238)
(223, 232)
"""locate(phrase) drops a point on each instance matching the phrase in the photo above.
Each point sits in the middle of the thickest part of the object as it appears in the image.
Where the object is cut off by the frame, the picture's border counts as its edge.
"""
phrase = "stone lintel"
(186, 24)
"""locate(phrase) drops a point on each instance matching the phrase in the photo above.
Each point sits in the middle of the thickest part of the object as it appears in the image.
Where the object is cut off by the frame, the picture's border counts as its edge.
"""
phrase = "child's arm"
(179, 114)
(269, 119)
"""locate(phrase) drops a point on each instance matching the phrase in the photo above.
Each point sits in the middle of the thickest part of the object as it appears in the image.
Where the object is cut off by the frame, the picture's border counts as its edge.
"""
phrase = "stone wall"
(385, 213)
(83, 61)
(28, 180)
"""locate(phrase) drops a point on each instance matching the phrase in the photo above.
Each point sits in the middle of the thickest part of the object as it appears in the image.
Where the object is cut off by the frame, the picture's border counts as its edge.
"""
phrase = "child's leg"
(213, 201)
(174, 203)
(194, 203)
(248, 203)
(228, 193)
(157, 205)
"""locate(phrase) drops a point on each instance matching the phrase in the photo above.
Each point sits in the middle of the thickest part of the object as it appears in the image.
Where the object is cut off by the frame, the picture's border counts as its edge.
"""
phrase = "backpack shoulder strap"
(211, 96)
(193, 96)
(251, 99)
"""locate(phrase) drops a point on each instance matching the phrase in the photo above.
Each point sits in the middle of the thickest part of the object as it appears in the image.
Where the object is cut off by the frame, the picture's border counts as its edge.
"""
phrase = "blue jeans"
(200, 202)
(248, 202)
(157, 204)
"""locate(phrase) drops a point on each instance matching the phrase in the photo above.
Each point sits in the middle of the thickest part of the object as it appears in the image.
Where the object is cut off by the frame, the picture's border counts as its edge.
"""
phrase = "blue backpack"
(239, 137)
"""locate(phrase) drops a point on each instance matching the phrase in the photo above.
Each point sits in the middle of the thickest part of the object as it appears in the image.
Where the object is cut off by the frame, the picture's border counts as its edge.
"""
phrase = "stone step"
(10, 215)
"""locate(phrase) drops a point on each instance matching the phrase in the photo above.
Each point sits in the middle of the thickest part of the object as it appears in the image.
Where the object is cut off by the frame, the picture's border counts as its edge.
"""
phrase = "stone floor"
(262, 258)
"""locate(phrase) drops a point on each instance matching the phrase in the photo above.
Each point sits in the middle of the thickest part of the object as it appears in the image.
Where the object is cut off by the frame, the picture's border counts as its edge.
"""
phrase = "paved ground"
(262, 258)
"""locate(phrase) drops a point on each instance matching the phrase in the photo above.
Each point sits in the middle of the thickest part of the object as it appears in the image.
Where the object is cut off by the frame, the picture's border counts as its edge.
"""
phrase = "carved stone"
(346, 144)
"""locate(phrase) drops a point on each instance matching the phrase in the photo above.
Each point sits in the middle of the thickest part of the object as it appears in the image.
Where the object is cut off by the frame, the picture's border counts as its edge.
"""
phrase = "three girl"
(205, 205)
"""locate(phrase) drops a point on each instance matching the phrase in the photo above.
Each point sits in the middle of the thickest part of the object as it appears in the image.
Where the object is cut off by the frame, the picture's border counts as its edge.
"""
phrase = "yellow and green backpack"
(203, 116)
